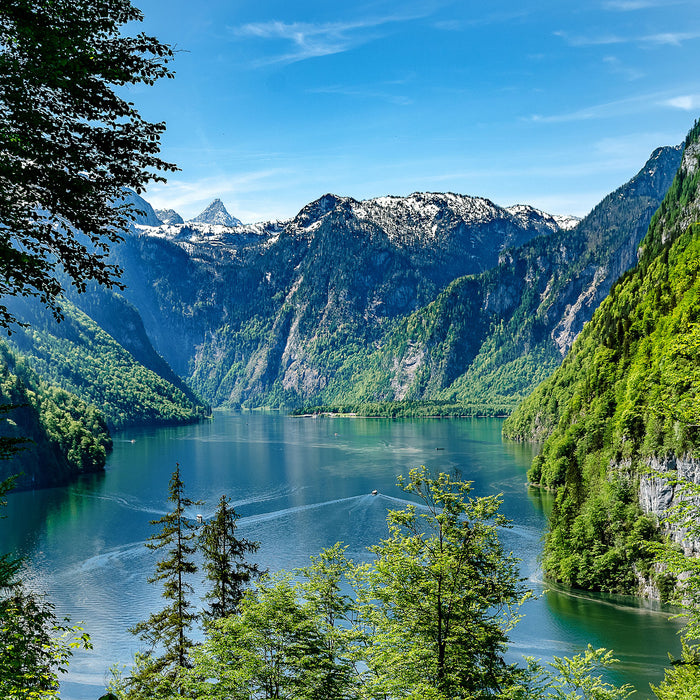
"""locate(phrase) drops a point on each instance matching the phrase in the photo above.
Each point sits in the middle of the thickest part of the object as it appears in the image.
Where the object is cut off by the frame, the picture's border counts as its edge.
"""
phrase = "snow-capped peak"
(216, 213)
(169, 216)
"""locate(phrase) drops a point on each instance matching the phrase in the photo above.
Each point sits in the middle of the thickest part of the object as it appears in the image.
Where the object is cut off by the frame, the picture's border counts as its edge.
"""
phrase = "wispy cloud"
(190, 197)
(671, 38)
(617, 67)
(616, 108)
(381, 92)
(591, 40)
(604, 39)
(458, 25)
(687, 103)
(632, 5)
(312, 40)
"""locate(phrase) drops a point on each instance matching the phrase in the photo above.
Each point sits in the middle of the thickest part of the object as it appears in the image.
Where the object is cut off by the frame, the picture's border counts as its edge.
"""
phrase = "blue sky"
(553, 103)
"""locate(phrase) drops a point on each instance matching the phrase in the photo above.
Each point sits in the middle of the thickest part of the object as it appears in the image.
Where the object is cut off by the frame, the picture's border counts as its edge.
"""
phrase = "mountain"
(267, 314)
(216, 214)
(127, 381)
(488, 339)
(143, 212)
(169, 216)
(623, 407)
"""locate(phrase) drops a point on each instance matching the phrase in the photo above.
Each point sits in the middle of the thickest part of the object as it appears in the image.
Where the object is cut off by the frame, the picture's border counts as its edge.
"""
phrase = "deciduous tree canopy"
(69, 141)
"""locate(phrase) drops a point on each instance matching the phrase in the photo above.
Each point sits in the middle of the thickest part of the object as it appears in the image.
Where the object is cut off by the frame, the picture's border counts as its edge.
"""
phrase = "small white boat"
(375, 492)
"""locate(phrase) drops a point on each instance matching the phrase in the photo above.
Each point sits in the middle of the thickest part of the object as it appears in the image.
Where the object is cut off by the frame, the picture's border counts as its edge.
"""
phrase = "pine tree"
(224, 561)
(168, 628)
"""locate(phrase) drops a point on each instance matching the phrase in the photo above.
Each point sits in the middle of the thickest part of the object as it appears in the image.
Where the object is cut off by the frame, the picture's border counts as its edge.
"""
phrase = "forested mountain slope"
(626, 398)
(489, 339)
(65, 436)
(267, 314)
(106, 361)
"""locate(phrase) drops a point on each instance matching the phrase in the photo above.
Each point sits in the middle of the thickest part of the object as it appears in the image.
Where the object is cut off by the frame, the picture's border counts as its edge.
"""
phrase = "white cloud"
(671, 38)
(631, 5)
(617, 108)
(599, 40)
(619, 68)
(685, 102)
(315, 39)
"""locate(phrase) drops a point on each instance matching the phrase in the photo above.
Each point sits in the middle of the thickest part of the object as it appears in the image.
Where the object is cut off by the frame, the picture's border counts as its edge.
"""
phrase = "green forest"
(57, 436)
(624, 399)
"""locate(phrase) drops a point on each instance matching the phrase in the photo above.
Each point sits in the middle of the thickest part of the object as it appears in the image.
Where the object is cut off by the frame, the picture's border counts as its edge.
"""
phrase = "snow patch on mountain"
(169, 216)
(566, 221)
(216, 214)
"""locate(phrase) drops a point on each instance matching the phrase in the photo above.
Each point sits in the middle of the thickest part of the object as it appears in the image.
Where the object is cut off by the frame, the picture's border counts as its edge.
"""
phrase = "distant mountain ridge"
(169, 216)
(311, 309)
(216, 214)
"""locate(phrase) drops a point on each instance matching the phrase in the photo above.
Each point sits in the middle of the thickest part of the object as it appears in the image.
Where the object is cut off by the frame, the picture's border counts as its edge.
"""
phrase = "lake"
(299, 484)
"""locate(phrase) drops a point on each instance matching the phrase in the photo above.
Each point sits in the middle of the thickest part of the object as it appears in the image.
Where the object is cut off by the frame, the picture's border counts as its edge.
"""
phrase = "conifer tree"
(166, 630)
(224, 561)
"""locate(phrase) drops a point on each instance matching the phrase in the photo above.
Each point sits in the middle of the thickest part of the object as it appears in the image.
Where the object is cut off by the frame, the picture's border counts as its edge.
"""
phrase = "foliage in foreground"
(69, 143)
(427, 618)
(35, 645)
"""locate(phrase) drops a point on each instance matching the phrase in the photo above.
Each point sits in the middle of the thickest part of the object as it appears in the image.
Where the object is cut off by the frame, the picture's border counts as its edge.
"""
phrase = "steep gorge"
(624, 405)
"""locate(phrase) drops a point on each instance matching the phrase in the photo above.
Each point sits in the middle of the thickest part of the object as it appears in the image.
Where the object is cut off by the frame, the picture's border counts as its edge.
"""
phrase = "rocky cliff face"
(663, 488)
(582, 296)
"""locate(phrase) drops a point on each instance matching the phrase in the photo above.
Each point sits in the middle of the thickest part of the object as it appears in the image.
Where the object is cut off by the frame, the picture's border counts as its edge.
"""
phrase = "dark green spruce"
(227, 570)
(166, 631)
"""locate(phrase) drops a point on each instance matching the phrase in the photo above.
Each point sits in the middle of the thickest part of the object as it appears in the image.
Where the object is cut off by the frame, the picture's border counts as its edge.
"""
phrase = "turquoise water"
(300, 485)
